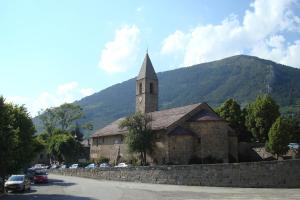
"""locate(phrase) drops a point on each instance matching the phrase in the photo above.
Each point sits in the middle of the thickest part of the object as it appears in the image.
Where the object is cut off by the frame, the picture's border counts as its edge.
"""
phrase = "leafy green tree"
(294, 128)
(17, 147)
(67, 114)
(62, 132)
(8, 138)
(231, 111)
(49, 120)
(279, 137)
(140, 137)
(62, 117)
(63, 146)
(261, 114)
(24, 129)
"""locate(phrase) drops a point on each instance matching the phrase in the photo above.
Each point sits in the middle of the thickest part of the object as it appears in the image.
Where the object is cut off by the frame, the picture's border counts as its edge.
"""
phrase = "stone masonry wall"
(284, 174)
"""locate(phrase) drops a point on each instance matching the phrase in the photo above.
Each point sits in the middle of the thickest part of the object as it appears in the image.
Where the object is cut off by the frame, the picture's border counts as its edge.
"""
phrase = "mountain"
(240, 77)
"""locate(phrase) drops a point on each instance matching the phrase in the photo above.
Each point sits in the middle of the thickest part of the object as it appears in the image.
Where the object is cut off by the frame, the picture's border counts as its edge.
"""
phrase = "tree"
(67, 114)
(8, 138)
(231, 111)
(62, 117)
(139, 138)
(261, 114)
(49, 120)
(16, 138)
(63, 146)
(63, 132)
(294, 128)
(279, 137)
(24, 129)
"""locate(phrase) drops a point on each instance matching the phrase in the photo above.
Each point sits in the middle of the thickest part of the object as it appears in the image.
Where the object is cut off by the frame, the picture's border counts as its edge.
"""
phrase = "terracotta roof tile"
(160, 120)
(205, 115)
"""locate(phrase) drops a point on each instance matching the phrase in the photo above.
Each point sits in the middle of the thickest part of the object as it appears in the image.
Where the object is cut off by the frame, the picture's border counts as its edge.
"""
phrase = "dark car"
(17, 183)
(30, 173)
(40, 177)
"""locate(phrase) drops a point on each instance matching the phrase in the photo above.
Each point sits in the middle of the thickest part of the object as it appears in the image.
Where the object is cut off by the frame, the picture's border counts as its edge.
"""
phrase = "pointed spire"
(147, 70)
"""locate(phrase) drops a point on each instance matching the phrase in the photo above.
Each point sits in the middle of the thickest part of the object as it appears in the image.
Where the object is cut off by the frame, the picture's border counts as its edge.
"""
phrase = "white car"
(17, 183)
(91, 166)
(122, 164)
(74, 166)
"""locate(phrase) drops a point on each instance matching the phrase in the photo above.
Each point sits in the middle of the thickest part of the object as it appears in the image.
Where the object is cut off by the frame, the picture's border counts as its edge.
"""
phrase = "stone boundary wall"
(272, 174)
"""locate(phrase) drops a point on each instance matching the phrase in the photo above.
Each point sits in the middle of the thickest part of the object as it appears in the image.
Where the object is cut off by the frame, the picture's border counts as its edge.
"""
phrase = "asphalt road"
(74, 188)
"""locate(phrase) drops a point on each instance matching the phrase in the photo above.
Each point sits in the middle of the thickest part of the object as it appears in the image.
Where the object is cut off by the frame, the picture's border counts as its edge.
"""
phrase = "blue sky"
(53, 52)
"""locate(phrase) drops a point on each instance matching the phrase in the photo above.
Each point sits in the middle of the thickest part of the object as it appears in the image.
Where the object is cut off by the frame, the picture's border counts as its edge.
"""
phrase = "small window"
(157, 136)
(151, 88)
(140, 88)
(102, 140)
(95, 141)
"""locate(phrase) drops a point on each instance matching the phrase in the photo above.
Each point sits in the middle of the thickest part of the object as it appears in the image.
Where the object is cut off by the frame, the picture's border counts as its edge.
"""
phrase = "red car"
(40, 177)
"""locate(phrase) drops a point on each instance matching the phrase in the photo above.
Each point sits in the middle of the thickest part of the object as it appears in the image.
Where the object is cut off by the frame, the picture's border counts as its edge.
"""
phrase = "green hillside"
(240, 77)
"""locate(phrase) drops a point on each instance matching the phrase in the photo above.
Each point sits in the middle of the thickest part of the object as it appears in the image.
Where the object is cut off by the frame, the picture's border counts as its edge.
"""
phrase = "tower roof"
(147, 70)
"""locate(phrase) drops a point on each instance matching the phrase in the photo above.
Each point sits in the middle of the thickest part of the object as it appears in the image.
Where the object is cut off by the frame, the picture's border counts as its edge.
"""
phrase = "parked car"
(63, 167)
(91, 166)
(40, 166)
(123, 165)
(30, 173)
(294, 146)
(17, 183)
(74, 166)
(104, 165)
(40, 177)
(54, 166)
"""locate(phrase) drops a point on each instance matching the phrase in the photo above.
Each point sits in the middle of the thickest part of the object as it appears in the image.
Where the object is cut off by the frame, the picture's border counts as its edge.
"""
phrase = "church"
(183, 135)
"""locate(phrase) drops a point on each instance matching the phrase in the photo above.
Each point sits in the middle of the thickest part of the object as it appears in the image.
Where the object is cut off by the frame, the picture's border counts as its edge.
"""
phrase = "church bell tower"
(146, 88)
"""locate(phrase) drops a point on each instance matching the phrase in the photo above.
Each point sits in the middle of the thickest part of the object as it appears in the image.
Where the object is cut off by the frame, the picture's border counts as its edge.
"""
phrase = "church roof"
(205, 115)
(163, 119)
(147, 70)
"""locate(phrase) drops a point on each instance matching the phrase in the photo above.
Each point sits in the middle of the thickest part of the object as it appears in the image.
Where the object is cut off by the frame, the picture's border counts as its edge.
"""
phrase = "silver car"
(17, 183)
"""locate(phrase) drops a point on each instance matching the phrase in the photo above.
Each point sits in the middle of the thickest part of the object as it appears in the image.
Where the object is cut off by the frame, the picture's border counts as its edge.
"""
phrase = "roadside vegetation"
(62, 133)
(139, 138)
(261, 121)
(18, 145)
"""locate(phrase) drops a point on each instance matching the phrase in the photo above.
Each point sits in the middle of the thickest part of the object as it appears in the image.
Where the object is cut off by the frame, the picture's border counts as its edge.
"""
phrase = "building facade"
(183, 135)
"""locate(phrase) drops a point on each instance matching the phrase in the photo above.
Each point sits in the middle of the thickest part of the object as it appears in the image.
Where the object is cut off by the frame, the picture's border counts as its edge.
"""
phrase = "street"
(74, 188)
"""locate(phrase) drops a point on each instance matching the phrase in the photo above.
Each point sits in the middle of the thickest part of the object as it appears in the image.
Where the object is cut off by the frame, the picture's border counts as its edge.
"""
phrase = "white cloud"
(65, 93)
(174, 42)
(260, 33)
(65, 88)
(120, 54)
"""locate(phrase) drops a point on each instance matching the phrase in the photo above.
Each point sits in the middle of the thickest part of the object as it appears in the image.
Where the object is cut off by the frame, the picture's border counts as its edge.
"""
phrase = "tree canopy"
(261, 114)
(63, 146)
(62, 117)
(279, 136)
(17, 144)
(139, 138)
(231, 111)
(62, 132)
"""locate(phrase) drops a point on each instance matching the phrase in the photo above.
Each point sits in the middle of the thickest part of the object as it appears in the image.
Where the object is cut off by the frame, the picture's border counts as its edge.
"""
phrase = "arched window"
(151, 88)
(140, 88)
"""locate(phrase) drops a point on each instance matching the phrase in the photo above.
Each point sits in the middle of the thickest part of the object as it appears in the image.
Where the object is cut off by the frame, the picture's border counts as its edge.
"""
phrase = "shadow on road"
(12, 196)
(55, 182)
